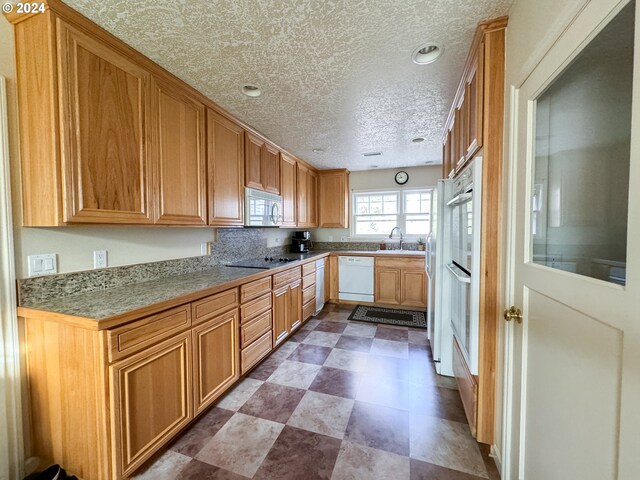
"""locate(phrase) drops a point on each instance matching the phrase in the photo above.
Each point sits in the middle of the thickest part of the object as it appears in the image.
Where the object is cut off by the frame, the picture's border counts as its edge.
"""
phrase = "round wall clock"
(402, 178)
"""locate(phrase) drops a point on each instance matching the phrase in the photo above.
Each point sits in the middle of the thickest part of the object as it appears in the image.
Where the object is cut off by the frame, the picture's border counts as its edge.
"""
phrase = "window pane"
(374, 224)
(417, 225)
(582, 152)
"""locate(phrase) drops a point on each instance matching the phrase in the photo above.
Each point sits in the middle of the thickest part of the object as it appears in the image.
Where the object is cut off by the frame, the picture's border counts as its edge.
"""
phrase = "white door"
(573, 365)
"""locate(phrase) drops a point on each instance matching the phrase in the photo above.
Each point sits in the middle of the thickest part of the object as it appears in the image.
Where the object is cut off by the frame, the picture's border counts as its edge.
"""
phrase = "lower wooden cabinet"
(151, 400)
(287, 310)
(387, 285)
(255, 352)
(215, 358)
(400, 282)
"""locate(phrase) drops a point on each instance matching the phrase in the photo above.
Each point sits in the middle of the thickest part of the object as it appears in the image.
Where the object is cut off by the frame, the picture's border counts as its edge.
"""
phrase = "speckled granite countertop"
(112, 307)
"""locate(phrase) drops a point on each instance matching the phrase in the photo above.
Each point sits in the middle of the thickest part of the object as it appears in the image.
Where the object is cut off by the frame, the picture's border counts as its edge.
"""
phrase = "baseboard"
(497, 457)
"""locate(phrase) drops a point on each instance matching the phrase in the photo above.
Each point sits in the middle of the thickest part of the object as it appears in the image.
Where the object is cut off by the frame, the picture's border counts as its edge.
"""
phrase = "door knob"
(513, 313)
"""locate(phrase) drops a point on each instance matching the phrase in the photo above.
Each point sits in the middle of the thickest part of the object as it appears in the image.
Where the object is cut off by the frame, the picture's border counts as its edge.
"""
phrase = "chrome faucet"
(391, 235)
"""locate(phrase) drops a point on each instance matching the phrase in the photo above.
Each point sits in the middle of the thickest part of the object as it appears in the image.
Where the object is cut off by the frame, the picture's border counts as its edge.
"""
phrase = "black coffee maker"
(301, 242)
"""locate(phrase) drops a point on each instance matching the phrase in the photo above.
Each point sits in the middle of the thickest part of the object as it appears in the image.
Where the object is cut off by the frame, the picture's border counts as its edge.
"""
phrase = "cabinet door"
(333, 199)
(150, 400)
(281, 301)
(225, 157)
(294, 319)
(288, 190)
(414, 288)
(215, 358)
(460, 135)
(271, 169)
(253, 161)
(312, 198)
(387, 285)
(474, 96)
(302, 195)
(106, 99)
(180, 164)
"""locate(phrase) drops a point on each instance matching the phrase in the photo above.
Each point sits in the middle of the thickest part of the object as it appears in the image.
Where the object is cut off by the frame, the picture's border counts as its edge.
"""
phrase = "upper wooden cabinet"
(474, 104)
(180, 163)
(288, 190)
(225, 157)
(271, 168)
(262, 164)
(107, 136)
(253, 161)
(312, 198)
(105, 101)
(333, 198)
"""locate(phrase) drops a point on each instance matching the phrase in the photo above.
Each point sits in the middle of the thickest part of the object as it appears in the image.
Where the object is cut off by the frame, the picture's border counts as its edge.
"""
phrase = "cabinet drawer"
(309, 280)
(308, 268)
(308, 310)
(255, 328)
(252, 290)
(286, 277)
(255, 352)
(138, 335)
(255, 307)
(214, 305)
(308, 294)
(403, 263)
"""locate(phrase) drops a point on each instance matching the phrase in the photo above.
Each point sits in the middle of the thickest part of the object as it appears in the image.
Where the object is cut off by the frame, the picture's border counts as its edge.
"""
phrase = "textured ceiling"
(335, 75)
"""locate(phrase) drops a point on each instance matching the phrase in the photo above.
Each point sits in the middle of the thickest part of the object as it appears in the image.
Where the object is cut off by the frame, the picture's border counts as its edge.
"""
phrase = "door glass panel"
(582, 152)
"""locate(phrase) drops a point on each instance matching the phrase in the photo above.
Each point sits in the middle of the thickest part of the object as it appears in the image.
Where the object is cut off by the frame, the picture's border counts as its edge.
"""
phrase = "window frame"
(400, 216)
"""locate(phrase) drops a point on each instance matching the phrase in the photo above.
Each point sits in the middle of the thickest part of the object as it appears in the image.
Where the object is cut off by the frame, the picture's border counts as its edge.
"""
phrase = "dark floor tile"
(299, 336)
(299, 454)
(355, 344)
(390, 367)
(331, 327)
(199, 433)
(395, 334)
(379, 427)
(437, 402)
(265, 369)
(196, 470)
(489, 462)
(310, 354)
(335, 381)
(427, 471)
(273, 402)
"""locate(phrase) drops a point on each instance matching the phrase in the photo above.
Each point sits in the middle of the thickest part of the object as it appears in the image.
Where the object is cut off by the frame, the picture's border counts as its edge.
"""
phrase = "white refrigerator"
(438, 298)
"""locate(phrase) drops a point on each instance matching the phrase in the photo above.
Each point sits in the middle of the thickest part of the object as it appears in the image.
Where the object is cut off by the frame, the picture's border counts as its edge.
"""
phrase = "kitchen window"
(375, 213)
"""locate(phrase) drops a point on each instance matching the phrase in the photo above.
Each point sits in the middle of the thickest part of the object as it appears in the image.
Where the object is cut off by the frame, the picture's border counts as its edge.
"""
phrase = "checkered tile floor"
(338, 400)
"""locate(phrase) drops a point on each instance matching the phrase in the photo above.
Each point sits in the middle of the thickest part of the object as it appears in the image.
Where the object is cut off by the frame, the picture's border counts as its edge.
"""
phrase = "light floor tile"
(295, 374)
(360, 330)
(236, 398)
(323, 339)
(389, 348)
(241, 445)
(167, 467)
(347, 360)
(357, 462)
(321, 413)
(445, 443)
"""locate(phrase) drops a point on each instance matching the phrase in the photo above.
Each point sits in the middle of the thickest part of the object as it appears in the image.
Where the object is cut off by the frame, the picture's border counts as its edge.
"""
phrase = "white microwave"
(262, 209)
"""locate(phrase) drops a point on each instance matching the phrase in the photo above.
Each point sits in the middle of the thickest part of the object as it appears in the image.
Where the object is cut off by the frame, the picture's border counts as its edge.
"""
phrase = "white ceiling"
(334, 74)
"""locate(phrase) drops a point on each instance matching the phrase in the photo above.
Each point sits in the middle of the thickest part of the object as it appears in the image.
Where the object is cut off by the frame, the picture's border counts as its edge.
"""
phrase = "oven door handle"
(460, 278)
(460, 199)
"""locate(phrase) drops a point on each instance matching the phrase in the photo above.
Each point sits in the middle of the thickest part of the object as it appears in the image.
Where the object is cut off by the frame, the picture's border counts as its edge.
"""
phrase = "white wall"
(419, 177)
(75, 245)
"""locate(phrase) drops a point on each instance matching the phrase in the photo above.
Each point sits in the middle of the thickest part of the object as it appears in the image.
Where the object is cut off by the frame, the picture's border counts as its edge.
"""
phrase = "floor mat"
(390, 316)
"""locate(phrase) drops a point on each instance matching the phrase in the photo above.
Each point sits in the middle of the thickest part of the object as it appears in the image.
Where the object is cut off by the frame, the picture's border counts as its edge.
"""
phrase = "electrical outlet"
(100, 259)
(42, 264)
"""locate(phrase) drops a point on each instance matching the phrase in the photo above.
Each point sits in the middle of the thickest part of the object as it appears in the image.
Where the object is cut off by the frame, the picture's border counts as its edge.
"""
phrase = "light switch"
(42, 264)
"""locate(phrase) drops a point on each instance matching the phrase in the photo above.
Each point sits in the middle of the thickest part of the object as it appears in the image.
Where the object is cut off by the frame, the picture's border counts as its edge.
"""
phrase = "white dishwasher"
(355, 279)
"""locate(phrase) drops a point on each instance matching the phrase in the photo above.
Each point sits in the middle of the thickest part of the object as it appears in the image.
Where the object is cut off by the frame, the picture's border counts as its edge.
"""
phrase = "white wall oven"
(464, 264)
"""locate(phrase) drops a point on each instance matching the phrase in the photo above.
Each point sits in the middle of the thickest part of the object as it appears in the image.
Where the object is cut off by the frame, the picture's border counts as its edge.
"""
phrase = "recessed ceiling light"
(427, 53)
(251, 91)
(418, 140)
(317, 150)
(372, 154)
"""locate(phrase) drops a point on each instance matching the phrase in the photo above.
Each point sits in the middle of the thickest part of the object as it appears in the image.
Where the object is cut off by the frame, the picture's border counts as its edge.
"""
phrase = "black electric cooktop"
(265, 263)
